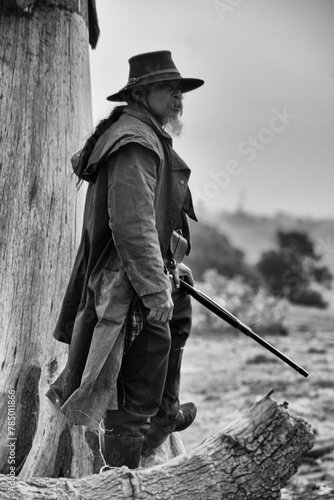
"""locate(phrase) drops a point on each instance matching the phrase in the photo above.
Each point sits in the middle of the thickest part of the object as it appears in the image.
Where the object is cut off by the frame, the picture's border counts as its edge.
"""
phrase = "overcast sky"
(260, 132)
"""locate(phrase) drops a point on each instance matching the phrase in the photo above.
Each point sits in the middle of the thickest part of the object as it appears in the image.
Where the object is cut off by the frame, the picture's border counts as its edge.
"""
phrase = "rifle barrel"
(233, 321)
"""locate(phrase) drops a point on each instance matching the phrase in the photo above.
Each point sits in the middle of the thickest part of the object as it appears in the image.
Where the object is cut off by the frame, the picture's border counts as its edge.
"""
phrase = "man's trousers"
(143, 372)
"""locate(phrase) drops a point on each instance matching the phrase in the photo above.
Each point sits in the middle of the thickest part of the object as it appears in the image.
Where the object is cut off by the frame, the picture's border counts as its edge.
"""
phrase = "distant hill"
(254, 234)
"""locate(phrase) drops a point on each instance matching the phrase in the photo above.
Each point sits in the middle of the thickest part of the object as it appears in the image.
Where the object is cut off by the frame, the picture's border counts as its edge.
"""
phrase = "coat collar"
(143, 115)
(88, 168)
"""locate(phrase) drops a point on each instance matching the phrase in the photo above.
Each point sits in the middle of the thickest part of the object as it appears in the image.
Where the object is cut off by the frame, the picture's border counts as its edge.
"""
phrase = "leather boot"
(123, 438)
(171, 416)
(122, 450)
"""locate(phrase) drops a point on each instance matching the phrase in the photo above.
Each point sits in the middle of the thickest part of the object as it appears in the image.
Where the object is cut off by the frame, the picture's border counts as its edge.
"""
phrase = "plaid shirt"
(133, 323)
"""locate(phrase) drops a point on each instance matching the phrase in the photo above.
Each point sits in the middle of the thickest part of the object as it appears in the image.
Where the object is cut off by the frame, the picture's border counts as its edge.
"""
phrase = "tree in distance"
(294, 270)
(213, 250)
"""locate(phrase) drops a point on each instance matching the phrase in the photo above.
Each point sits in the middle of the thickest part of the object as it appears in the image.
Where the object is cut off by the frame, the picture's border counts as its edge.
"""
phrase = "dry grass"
(228, 373)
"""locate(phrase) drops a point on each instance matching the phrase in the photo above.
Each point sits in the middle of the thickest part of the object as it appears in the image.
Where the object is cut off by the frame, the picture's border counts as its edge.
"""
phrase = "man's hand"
(185, 272)
(162, 312)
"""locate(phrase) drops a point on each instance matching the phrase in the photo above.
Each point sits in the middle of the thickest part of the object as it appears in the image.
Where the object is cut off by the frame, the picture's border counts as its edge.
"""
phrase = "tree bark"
(252, 459)
(45, 109)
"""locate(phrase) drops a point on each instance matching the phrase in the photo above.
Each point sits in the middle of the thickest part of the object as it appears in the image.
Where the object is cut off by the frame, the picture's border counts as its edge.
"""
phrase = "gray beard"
(174, 126)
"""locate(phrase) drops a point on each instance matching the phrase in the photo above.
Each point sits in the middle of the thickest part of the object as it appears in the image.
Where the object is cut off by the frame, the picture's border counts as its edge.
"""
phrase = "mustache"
(176, 107)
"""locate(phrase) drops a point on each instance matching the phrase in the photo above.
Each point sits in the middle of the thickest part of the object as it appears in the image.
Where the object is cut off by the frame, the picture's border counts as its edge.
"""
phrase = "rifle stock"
(233, 321)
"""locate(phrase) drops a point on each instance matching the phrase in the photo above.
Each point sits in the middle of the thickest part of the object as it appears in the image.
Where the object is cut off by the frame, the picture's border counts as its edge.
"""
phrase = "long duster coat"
(138, 191)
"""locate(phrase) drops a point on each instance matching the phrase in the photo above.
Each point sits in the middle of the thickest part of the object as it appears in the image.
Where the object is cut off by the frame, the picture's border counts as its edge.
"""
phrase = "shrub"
(309, 297)
(292, 270)
(258, 310)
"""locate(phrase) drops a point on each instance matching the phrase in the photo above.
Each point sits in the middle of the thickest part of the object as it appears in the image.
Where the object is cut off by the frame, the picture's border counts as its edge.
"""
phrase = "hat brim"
(187, 85)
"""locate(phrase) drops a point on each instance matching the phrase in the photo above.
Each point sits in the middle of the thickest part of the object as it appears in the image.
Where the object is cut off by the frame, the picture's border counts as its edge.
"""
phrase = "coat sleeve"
(132, 176)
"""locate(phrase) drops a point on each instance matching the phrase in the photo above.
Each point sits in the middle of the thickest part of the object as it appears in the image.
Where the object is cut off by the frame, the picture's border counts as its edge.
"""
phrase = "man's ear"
(138, 94)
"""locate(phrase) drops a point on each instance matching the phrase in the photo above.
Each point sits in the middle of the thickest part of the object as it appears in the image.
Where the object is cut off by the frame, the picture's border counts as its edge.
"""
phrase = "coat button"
(181, 182)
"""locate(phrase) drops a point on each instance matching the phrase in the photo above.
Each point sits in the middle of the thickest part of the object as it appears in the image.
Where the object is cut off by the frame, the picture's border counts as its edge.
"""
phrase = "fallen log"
(252, 458)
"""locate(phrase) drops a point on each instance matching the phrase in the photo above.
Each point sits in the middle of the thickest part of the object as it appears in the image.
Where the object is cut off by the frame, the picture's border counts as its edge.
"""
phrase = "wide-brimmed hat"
(154, 67)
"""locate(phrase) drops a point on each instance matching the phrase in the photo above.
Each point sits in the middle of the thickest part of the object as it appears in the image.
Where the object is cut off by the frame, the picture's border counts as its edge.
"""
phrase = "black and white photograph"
(167, 249)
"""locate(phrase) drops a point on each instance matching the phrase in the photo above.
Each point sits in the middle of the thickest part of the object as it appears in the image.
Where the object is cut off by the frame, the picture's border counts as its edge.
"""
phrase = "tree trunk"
(45, 109)
(252, 458)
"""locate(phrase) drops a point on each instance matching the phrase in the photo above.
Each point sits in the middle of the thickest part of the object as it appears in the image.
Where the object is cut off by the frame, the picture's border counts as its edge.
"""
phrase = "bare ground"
(228, 373)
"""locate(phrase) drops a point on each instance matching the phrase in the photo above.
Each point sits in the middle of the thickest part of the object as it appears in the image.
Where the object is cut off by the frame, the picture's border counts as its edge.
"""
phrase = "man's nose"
(177, 94)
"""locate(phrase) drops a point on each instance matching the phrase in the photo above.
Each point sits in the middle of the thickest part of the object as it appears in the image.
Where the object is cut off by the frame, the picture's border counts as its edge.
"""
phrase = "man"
(123, 314)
